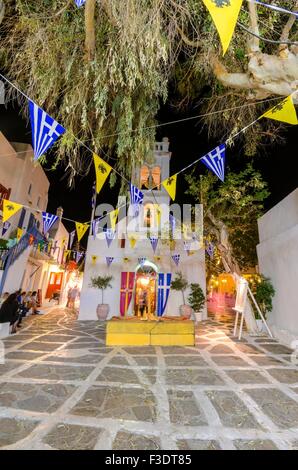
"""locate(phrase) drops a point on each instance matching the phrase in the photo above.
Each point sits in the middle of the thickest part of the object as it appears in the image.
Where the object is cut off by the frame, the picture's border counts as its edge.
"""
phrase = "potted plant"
(181, 284)
(264, 293)
(196, 300)
(102, 283)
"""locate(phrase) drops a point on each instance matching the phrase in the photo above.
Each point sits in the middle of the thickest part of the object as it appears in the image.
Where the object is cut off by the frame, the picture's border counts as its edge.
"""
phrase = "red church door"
(55, 284)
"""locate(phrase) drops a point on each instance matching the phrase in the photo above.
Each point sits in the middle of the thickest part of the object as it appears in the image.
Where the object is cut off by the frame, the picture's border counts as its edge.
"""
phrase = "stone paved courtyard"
(61, 388)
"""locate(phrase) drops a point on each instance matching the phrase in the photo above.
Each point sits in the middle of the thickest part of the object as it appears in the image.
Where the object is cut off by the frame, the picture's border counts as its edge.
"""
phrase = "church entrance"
(145, 291)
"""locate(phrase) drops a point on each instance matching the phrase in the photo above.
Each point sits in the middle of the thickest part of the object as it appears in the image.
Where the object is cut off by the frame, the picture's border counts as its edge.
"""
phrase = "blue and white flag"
(176, 259)
(79, 256)
(142, 260)
(210, 249)
(109, 260)
(93, 199)
(215, 161)
(71, 238)
(110, 235)
(45, 130)
(136, 198)
(48, 221)
(172, 221)
(154, 242)
(80, 3)
(164, 285)
(5, 227)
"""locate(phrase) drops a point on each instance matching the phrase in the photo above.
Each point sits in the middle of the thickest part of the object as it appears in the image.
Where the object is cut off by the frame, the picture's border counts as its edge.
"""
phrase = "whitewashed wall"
(278, 259)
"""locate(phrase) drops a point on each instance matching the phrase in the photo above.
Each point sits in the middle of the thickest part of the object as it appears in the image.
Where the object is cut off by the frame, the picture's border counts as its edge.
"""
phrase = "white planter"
(102, 311)
(260, 325)
(198, 316)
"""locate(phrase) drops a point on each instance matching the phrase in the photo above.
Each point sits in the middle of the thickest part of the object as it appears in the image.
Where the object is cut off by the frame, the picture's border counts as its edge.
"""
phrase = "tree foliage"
(103, 70)
(231, 210)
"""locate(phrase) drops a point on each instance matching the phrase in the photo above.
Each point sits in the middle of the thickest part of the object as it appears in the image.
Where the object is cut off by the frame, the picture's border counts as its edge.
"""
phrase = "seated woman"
(9, 312)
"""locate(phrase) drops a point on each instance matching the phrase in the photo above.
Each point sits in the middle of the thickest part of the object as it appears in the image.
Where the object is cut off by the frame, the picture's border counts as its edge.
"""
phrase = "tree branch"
(188, 41)
(90, 29)
(2, 10)
(253, 43)
(286, 30)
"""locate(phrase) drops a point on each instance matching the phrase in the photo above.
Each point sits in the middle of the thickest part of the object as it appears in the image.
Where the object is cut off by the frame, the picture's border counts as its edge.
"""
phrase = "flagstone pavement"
(61, 388)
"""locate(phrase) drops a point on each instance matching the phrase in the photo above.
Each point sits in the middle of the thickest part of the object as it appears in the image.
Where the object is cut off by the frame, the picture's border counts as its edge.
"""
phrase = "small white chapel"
(144, 252)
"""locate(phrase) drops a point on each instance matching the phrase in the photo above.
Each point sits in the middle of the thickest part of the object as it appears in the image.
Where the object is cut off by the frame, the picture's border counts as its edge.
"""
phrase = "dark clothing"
(9, 312)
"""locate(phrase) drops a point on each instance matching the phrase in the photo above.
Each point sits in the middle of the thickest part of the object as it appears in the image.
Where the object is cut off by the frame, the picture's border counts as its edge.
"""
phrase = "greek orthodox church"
(142, 251)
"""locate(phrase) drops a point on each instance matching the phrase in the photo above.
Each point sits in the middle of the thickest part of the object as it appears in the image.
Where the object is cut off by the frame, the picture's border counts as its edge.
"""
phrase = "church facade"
(144, 251)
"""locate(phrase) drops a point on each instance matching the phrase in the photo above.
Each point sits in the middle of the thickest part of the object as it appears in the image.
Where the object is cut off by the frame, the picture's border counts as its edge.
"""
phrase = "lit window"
(144, 177)
(149, 215)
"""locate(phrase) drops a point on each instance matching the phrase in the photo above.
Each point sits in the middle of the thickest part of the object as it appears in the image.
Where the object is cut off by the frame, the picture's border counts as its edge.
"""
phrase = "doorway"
(145, 291)
(55, 284)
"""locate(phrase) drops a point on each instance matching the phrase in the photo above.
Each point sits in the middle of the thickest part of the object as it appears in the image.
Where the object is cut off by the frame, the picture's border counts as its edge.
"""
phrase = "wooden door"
(55, 284)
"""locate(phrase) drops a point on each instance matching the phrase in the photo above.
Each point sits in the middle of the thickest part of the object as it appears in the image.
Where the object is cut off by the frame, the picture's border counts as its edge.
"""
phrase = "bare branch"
(2, 10)
(253, 43)
(90, 29)
(286, 30)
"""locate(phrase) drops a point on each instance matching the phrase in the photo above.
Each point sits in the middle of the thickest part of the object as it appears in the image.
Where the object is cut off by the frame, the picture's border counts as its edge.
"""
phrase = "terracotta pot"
(102, 311)
(185, 311)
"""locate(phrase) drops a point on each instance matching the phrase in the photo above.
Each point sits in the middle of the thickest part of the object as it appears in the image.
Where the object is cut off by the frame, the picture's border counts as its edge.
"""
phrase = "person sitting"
(34, 303)
(9, 312)
(23, 307)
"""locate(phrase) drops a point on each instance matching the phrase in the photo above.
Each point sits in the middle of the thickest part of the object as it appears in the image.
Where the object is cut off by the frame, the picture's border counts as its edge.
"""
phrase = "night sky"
(188, 141)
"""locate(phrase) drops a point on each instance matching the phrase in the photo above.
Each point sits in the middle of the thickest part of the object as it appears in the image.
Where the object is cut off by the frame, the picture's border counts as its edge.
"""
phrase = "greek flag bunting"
(136, 198)
(110, 235)
(71, 238)
(176, 259)
(164, 285)
(154, 242)
(215, 161)
(48, 221)
(79, 255)
(210, 249)
(45, 130)
(109, 260)
(5, 227)
(80, 3)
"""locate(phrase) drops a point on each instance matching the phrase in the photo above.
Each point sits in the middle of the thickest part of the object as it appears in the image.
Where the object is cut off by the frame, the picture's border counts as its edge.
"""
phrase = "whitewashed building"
(278, 260)
(135, 267)
(24, 181)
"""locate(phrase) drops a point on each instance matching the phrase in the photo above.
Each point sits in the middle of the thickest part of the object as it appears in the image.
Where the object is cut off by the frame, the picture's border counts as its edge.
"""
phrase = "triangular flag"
(79, 255)
(81, 230)
(176, 259)
(110, 235)
(94, 259)
(45, 130)
(10, 209)
(102, 171)
(132, 241)
(215, 161)
(109, 260)
(71, 238)
(19, 233)
(224, 14)
(284, 111)
(80, 3)
(5, 227)
(154, 242)
(48, 221)
(170, 186)
(113, 218)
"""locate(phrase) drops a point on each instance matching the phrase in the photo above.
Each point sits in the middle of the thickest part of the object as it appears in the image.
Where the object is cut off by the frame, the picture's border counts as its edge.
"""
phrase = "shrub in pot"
(102, 283)
(180, 284)
(264, 293)
(196, 300)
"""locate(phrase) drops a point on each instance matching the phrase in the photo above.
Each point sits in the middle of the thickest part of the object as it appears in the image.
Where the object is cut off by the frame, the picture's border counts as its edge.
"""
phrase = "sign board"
(241, 295)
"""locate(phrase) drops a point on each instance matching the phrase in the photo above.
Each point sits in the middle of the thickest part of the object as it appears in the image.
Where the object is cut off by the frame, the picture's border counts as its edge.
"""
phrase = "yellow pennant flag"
(132, 241)
(94, 259)
(224, 14)
(19, 234)
(284, 111)
(113, 218)
(102, 171)
(81, 230)
(170, 186)
(158, 213)
(10, 209)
